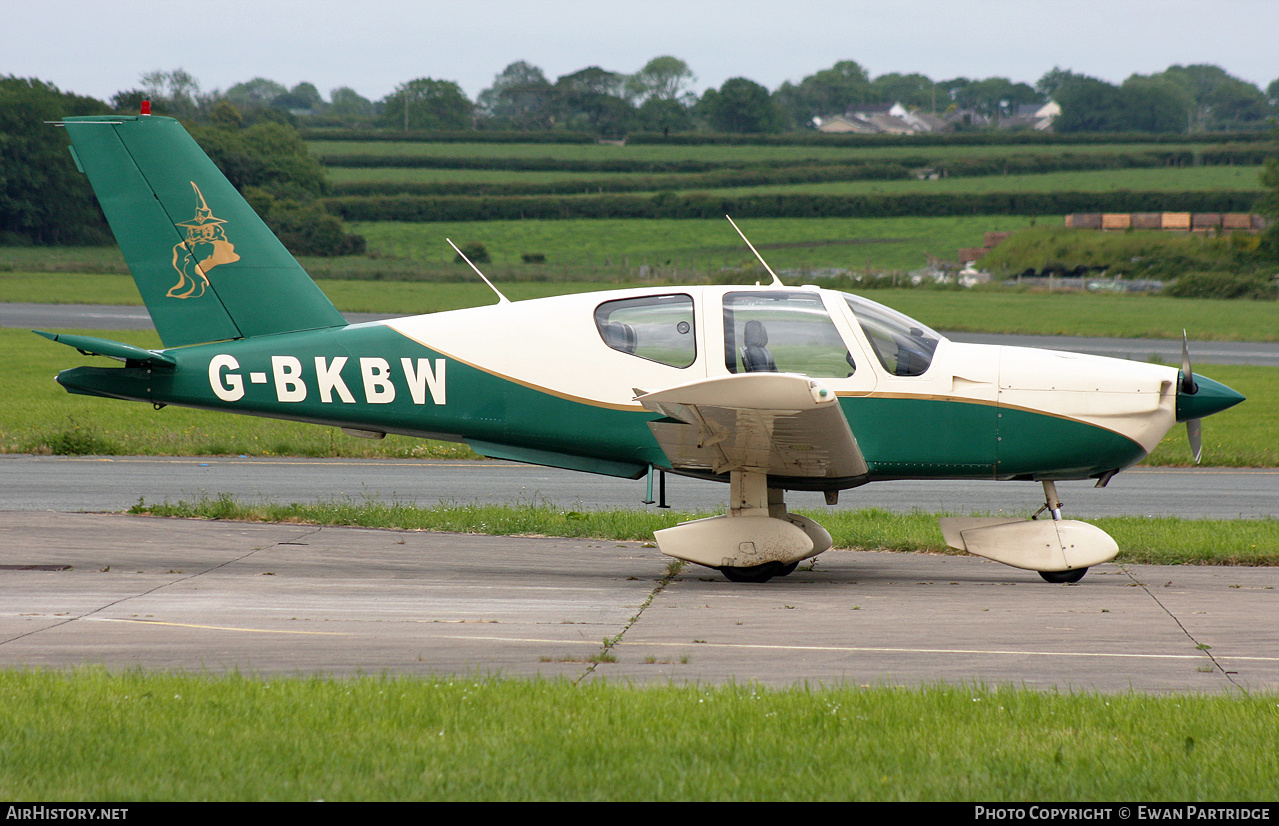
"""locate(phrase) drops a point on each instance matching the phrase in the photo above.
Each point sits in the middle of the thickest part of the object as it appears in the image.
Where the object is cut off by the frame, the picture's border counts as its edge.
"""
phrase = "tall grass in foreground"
(93, 735)
(1166, 541)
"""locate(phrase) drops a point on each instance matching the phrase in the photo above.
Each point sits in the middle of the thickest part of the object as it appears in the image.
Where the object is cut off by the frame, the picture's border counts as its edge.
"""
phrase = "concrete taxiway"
(127, 592)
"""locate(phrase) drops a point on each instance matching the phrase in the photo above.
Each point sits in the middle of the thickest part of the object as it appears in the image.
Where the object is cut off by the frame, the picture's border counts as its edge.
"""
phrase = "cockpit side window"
(657, 327)
(788, 332)
(903, 345)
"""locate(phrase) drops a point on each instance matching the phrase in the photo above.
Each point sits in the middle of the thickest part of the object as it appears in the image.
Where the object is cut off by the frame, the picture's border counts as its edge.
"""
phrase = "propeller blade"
(1194, 431)
(1188, 385)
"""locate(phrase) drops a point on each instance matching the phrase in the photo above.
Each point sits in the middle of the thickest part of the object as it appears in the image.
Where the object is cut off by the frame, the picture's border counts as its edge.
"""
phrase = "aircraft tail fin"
(206, 265)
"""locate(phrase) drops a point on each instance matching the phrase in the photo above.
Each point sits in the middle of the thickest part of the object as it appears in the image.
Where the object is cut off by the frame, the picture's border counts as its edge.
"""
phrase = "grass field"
(608, 250)
(802, 250)
(97, 736)
(1189, 179)
(705, 247)
(399, 174)
(1180, 179)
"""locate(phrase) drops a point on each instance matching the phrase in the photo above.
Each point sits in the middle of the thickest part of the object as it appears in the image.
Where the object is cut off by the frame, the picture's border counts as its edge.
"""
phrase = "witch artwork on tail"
(204, 247)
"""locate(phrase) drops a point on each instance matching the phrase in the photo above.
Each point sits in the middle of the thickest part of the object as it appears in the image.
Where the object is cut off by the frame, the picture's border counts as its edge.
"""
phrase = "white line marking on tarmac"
(217, 627)
(872, 650)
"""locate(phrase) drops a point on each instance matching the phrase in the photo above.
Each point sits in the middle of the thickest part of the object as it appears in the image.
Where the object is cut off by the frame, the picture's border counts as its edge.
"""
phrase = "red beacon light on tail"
(146, 107)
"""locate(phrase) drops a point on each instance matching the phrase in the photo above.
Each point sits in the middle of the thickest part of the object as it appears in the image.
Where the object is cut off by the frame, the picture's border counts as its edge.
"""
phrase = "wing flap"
(783, 424)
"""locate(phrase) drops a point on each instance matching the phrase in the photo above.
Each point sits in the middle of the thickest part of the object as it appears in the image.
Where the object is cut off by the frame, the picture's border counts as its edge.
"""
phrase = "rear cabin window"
(783, 332)
(658, 328)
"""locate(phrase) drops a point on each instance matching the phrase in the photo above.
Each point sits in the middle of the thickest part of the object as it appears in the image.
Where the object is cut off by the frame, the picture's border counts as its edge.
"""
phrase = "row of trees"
(1179, 99)
(45, 200)
(659, 98)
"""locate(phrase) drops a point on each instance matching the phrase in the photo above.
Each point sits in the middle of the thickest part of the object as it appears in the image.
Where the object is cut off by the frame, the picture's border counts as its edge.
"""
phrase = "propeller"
(1188, 385)
(1194, 427)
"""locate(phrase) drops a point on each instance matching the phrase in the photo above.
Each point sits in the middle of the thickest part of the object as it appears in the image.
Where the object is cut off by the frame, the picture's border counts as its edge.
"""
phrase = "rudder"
(206, 265)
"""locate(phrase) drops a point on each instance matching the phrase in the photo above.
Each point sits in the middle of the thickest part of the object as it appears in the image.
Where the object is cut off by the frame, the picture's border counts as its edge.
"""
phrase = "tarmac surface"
(208, 597)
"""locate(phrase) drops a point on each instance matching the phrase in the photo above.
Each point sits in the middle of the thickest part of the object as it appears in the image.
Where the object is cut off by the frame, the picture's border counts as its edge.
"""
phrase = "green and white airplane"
(769, 388)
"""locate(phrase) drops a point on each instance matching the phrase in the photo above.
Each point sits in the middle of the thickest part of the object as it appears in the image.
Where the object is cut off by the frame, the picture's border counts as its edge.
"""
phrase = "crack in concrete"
(1203, 647)
(611, 642)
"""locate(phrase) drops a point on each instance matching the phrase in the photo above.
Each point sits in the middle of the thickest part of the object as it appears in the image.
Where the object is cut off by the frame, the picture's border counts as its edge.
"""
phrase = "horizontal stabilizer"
(93, 346)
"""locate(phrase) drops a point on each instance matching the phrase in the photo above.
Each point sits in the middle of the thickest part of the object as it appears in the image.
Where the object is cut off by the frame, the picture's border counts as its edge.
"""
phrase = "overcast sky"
(99, 48)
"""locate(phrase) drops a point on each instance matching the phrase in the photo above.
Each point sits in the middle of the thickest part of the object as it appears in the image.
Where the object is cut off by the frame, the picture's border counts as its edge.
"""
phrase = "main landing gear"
(755, 541)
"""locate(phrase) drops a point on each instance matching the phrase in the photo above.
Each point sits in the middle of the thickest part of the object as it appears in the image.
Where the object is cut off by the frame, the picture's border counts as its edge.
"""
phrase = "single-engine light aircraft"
(768, 388)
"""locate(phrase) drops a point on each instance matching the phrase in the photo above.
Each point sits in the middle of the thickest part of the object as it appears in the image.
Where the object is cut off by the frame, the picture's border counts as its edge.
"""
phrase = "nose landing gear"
(1060, 550)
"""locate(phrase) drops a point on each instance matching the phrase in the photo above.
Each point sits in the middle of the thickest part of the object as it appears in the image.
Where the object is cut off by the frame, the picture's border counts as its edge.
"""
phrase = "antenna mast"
(777, 282)
(501, 299)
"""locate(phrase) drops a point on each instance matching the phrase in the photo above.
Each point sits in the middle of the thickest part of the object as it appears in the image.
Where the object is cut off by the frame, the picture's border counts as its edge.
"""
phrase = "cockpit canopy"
(769, 330)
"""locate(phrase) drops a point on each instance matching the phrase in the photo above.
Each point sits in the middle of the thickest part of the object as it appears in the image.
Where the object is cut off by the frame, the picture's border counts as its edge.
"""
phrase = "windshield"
(903, 345)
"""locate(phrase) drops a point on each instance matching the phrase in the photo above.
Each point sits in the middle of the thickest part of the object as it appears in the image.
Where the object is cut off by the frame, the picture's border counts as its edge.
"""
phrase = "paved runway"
(289, 599)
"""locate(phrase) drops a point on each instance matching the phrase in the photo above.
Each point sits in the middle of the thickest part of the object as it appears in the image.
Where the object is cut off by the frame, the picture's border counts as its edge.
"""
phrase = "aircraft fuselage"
(538, 378)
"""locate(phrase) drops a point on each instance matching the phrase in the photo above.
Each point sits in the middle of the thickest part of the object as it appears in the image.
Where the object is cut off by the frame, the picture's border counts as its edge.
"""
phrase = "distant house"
(868, 110)
(844, 125)
(896, 119)
(887, 118)
(1037, 116)
(966, 118)
(881, 119)
(891, 124)
(927, 122)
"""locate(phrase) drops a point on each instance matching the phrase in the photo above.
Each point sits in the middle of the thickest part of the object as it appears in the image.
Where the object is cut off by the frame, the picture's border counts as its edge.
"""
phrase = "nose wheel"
(1063, 577)
(758, 573)
(1053, 505)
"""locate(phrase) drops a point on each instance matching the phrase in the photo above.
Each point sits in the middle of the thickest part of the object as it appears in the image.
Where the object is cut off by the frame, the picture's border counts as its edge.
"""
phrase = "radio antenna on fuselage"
(501, 299)
(777, 282)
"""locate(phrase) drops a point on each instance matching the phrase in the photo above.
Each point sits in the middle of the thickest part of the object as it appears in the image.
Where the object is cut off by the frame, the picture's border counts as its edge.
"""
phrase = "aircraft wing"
(784, 424)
